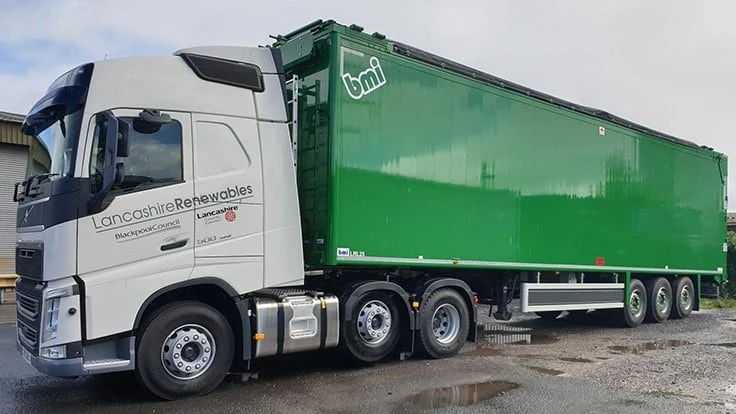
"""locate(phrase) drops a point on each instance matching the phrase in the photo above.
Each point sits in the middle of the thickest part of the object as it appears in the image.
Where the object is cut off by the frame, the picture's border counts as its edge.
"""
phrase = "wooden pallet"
(7, 285)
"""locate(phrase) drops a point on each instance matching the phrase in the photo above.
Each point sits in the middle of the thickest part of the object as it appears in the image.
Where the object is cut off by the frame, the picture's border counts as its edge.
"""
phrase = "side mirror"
(149, 121)
(111, 150)
(123, 139)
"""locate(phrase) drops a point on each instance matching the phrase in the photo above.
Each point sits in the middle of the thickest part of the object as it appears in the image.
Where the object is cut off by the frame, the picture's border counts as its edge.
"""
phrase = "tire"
(184, 325)
(683, 294)
(444, 324)
(549, 315)
(659, 297)
(633, 315)
(371, 342)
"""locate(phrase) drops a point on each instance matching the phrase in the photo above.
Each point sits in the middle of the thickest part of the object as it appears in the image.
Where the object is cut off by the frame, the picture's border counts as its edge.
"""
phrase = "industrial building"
(15, 149)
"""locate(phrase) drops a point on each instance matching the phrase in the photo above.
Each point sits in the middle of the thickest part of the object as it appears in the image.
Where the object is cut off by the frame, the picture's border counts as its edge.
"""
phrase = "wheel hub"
(635, 303)
(188, 352)
(445, 323)
(374, 322)
(686, 298)
(663, 301)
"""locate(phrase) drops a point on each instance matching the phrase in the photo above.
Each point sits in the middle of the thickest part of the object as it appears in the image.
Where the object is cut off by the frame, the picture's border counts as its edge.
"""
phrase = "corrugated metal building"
(14, 155)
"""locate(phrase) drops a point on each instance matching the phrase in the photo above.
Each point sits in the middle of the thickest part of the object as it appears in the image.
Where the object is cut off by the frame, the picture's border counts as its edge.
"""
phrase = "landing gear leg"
(502, 291)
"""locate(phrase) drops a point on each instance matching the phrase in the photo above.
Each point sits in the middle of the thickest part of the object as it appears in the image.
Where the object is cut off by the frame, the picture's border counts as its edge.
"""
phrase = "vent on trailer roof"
(243, 75)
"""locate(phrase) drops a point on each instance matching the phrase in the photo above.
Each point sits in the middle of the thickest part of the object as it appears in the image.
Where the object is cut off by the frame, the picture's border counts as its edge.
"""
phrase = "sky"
(666, 64)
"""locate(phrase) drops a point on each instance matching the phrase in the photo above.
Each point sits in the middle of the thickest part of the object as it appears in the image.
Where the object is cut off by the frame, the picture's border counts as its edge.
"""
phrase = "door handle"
(174, 245)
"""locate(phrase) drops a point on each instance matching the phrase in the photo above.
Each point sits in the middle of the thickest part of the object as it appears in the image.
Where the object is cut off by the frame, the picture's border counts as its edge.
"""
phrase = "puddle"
(727, 344)
(458, 395)
(530, 356)
(547, 371)
(648, 346)
(483, 352)
(603, 358)
(584, 360)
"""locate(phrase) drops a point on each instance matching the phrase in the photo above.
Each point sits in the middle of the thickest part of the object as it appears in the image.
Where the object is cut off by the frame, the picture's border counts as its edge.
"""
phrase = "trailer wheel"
(372, 332)
(444, 324)
(186, 349)
(683, 293)
(634, 314)
(659, 295)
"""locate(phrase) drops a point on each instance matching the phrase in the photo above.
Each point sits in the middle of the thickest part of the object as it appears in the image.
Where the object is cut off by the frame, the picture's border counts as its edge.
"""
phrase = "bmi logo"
(367, 81)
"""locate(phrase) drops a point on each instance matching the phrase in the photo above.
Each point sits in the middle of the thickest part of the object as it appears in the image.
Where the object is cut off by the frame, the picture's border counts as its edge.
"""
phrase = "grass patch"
(712, 403)
(659, 393)
(632, 402)
(720, 303)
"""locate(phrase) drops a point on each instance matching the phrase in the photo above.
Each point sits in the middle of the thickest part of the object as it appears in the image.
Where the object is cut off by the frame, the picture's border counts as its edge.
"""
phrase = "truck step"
(283, 293)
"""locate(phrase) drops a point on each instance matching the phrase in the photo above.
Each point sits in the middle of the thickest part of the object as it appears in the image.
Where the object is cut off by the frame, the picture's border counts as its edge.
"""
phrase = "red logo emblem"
(230, 216)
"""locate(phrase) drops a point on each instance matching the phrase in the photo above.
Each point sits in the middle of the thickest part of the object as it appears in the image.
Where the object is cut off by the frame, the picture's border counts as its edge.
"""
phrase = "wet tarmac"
(523, 366)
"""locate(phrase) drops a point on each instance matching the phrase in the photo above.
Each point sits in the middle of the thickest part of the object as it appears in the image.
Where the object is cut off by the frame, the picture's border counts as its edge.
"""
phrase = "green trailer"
(417, 165)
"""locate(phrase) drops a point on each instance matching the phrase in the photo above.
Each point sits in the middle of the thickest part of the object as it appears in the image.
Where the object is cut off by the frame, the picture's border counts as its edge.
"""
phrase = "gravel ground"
(691, 360)
(575, 364)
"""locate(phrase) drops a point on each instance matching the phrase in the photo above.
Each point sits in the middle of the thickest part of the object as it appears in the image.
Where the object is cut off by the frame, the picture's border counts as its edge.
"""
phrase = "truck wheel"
(683, 293)
(186, 349)
(373, 330)
(633, 315)
(659, 295)
(444, 324)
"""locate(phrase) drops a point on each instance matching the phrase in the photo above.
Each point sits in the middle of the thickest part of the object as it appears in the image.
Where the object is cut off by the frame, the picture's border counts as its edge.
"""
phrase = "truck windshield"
(56, 147)
(55, 122)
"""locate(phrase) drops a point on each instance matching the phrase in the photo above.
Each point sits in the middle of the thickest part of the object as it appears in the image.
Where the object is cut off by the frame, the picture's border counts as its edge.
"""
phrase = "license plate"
(26, 355)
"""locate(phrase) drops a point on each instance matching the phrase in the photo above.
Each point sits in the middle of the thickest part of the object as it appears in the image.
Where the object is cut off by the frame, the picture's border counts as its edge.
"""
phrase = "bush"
(728, 290)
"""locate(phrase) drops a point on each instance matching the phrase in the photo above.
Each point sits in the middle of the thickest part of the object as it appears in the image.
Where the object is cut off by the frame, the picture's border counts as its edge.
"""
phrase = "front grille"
(27, 306)
(28, 335)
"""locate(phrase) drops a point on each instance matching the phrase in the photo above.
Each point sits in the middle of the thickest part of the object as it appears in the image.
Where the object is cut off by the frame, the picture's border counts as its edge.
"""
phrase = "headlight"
(51, 307)
(51, 324)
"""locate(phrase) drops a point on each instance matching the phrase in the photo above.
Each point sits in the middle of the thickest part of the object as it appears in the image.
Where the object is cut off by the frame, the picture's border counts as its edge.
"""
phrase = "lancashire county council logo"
(230, 216)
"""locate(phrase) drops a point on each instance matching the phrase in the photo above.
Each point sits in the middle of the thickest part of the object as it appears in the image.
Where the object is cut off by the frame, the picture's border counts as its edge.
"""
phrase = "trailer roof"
(447, 64)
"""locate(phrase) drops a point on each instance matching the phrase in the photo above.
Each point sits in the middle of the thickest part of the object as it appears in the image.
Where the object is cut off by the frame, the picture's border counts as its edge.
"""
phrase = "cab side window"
(155, 158)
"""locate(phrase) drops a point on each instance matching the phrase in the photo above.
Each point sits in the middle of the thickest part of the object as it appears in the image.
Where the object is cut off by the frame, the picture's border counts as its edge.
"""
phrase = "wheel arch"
(208, 290)
(428, 287)
(350, 297)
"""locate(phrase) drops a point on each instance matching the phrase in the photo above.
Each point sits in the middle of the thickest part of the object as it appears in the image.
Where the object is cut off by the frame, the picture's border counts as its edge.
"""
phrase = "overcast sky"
(668, 64)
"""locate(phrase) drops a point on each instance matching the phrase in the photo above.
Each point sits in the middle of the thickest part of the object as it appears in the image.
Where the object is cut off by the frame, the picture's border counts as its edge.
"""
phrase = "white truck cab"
(165, 172)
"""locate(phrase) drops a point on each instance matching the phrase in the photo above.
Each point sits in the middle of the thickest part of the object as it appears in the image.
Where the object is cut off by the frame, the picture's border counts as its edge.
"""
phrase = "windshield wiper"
(42, 177)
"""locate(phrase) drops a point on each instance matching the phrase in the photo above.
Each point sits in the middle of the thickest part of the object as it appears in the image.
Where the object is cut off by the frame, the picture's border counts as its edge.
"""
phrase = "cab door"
(228, 203)
(142, 237)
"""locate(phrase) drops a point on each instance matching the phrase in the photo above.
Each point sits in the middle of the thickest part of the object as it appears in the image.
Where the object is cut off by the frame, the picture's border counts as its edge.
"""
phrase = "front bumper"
(64, 368)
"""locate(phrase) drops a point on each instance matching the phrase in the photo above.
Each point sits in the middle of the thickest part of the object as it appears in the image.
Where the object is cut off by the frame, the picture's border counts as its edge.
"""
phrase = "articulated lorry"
(337, 190)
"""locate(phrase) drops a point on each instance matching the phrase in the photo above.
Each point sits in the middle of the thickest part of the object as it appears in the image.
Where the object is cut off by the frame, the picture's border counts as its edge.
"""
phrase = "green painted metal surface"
(401, 162)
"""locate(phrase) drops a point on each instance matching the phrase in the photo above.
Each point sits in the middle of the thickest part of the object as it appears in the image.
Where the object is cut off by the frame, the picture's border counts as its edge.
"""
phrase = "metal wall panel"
(12, 169)
(10, 134)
